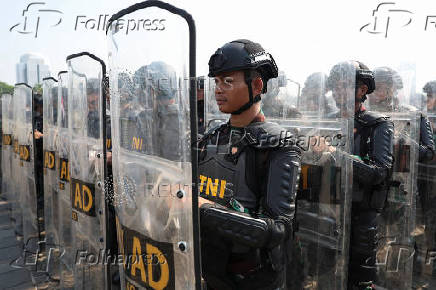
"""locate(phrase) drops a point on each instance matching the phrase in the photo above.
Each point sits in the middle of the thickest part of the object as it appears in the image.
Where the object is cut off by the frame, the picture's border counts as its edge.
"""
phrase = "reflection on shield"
(51, 204)
(393, 97)
(320, 250)
(87, 171)
(153, 115)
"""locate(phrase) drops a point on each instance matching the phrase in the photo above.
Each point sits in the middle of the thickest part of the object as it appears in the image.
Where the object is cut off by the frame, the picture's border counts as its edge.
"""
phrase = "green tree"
(6, 88)
(37, 89)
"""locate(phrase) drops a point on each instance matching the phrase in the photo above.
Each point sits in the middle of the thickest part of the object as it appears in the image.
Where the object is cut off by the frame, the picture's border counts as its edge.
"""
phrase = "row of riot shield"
(19, 185)
(78, 247)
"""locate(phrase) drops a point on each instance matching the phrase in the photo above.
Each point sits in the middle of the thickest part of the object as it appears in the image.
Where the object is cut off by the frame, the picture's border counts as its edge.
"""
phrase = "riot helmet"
(247, 56)
(157, 77)
(314, 90)
(346, 74)
(430, 89)
(387, 82)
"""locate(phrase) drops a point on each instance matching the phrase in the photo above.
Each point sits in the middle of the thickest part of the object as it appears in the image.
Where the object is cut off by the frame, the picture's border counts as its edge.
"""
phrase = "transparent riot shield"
(424, 267)
(26, 177)
(213, 117)
(51, 204)
(320, 247)
(86, 105)
(17, 215)
(152, 77)
(67, 254)
(394, 96)
(7, 150)
(280, 100)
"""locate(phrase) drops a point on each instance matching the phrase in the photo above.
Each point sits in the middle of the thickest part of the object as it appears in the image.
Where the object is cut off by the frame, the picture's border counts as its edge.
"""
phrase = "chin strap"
(250, 94)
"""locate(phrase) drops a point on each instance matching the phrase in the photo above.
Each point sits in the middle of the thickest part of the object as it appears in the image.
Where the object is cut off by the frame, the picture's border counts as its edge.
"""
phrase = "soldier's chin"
(224, 110)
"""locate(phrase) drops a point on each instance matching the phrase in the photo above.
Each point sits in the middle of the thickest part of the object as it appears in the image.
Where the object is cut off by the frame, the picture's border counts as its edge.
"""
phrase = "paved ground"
(10, 251)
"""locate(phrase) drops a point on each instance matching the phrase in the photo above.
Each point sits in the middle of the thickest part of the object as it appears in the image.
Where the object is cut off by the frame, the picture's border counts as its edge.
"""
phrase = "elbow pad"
(368, 172)
(426, 144)
(380, 155)
(283, 177)
(382, 147)
(425, 153)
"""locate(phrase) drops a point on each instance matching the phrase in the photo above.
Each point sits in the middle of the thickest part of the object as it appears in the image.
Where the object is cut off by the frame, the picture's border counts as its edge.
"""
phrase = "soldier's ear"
(257, 85)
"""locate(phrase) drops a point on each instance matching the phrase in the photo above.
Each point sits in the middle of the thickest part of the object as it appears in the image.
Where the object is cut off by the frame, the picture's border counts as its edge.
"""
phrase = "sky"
(303, 36)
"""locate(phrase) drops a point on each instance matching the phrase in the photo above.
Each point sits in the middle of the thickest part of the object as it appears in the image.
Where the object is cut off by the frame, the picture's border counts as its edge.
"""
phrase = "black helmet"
(160, 76)
(344, 70)
(93, 86)
(317, 80)
(388, 76)
(245, 55)
(430, 88)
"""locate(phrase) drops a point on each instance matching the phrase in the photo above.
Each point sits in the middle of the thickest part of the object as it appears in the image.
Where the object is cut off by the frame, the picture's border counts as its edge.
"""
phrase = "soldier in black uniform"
(426, 199)
(390, 82)
(247, 183)
(373, 148)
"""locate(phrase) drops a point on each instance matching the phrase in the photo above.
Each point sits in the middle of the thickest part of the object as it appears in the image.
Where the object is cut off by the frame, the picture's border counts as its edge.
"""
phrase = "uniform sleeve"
(380, 162)
(283, 169)
(279, 206)
(426, 141)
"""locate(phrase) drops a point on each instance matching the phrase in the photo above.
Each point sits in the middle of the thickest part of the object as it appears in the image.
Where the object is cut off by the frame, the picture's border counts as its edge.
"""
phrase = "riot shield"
(394, 97)
(87, 136)
(213, 117)
(280, 100)
(63, 185)
(15, 188)
(424, 268)
(154, 165)
(320, 248)
(26, 175)
(51, 204)
(7, 150)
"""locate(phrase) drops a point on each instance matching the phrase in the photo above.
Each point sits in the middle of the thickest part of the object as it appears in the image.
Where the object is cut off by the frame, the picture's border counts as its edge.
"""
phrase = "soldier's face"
(231, 91)
(381, 93)
(312, 97)
(92, 102)
(341, 93)
(431, 103)
(200, 94)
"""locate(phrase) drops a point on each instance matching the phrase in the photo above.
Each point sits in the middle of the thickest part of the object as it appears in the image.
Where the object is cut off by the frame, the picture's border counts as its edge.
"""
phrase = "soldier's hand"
(38, 134)
(109, 157)
(202, 201)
